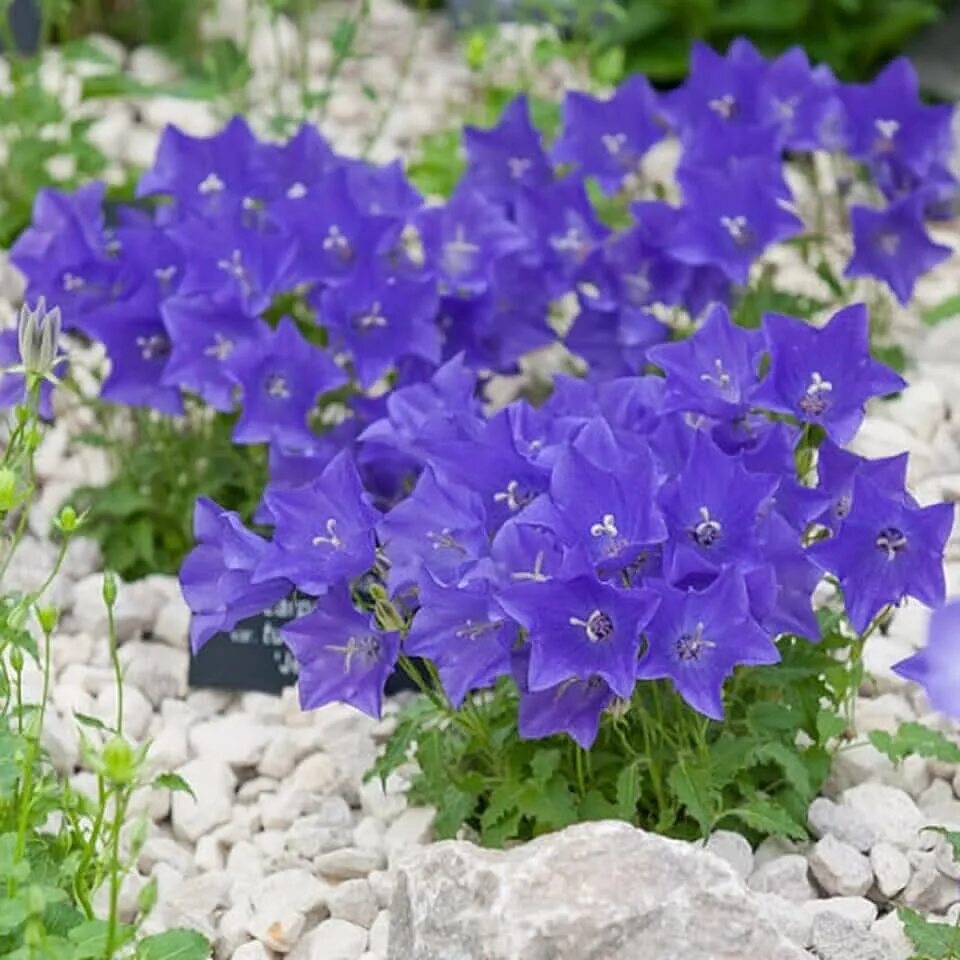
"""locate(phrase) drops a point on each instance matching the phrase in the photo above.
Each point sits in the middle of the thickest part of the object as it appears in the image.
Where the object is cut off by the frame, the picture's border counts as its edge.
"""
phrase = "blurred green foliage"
(654, 37)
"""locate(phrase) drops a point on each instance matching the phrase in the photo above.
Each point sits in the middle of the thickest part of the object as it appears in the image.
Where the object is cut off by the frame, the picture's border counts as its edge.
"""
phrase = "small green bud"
(34, 935)
(17, 616)
(32, 437)
(48, 617)
(119, 761)
(476, 51)
(109, 588)
(67, 519)
(8, 489)
(16, 659)
(36, 901)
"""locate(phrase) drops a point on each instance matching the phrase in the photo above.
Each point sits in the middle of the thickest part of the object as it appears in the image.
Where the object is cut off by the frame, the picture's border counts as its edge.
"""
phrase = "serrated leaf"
(789, 762)
(551, 806)
(545, 764)
(768, 818)
(692, 786)
(915, 738)
(456, 807)
(174, 782)
(932, 941)
(766, 717)
(174, 945)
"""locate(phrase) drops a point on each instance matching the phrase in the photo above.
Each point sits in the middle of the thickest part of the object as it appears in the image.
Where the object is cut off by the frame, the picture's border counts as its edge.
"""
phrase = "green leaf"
(892, 355)
(90, 938)
(174, 782)
(13, 913)
(829, 725)
(789, 761)
(456, 808)
(769, 818)
(942, 311)
(628, 791)
(932, 941)
(84, 719)
(174, 945)
(766, 717)
(692, 786)
(552, 806)
(915, 738)
(545, 764)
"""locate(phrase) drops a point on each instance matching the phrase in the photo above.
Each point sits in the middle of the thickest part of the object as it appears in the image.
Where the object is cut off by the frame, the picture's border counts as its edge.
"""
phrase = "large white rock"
(593, 890)
(235, 738)
(158, 670)
(353, 900)
(213, 784)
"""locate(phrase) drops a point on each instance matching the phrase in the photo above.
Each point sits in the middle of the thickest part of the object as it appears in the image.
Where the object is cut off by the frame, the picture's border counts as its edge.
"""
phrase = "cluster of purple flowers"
(644, 527)
(270, 276)
(633, 527)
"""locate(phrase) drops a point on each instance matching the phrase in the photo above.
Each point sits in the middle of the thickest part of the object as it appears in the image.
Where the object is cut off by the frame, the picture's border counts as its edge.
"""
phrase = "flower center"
(607, 527)
(331, 537)
(372, 318)
(444, 540)
(221, 348)
(154, 347)
(738, 229)
(536, 574)
(725, 106)
(690, 646)
(571, 243)
(72, 282)
(211, 183)
(598, 626)
(719, 377)
(337, 244)
(891, 540)
(277, 387)
(235, 269)
(708, 531)
(888, 242)
(815, 399)
(886, 132)
(518, 166)
(296, 191)
(366, 649)
(514, 496)
(614, 143)
(459, 254)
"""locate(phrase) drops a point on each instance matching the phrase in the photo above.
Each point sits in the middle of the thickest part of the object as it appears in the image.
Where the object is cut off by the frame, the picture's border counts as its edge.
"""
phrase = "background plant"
(60, 850)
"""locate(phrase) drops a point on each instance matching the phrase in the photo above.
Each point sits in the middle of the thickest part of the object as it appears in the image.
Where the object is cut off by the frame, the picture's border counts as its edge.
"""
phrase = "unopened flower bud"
(67, 519)
(39, 335)
(119, 762)
(48, 617)
(109, 588)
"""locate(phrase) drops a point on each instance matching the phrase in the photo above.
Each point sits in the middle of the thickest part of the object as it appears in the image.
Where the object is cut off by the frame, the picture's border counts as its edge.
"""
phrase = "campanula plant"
(604, 571)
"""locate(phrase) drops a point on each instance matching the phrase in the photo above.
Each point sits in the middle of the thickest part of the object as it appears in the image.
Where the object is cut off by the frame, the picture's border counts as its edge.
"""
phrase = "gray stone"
(253, 950)
(348, 863)
(840, 869)
(734, 848)
(213, 784)
(858, 910)
(334, 940)
(278, 931)
(929, 891)
(235, 739)
(353, 900)
(787, 876)
(290, 890)
(888, 811)
(825, 817)
(380, 934)
(836, 938)
(158, 670)
(595, 890)
(891, 868)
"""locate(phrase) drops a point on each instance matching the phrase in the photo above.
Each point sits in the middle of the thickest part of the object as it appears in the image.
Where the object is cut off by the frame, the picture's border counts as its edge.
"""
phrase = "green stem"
(119, 810)
(115, 662)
